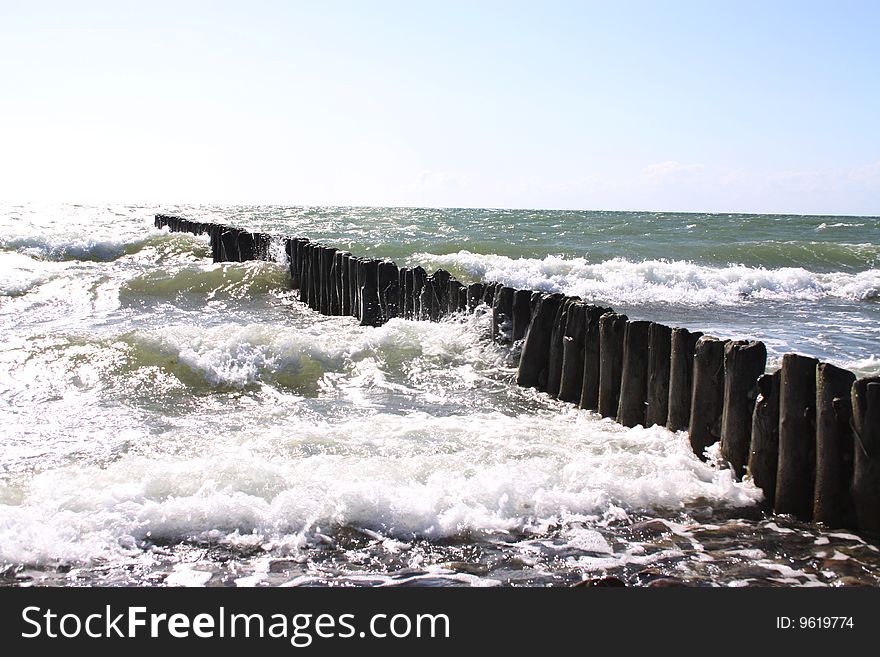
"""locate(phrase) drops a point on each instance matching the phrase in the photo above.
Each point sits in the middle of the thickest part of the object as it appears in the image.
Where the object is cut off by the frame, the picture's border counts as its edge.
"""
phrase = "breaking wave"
(659, 281)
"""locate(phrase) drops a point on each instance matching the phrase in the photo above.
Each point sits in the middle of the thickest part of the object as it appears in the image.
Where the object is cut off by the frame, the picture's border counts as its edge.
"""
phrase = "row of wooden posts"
(807, 434)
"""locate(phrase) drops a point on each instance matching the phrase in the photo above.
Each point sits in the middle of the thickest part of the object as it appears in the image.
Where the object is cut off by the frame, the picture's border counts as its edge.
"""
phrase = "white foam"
(20, 274)
(403, 477)
(624, 281)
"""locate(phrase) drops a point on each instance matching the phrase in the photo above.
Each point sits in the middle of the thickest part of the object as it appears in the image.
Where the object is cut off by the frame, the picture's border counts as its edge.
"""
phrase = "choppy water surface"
(168, 420)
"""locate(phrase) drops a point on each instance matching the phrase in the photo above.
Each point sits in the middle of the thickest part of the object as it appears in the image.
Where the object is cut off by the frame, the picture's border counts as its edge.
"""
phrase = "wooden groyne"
(808, 435)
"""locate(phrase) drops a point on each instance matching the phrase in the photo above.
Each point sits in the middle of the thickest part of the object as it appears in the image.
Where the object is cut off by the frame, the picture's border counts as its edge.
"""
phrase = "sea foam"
(629, 282)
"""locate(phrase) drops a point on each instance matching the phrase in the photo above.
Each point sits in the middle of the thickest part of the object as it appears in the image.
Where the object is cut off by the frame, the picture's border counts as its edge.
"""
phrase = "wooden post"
(370, 306)
(475, 295)
(315, 270)
(795, 476)
(354, 290)
(557, 345)
(659, 360)
(426, 298)
(453, 293)
(832, 498)
(229, 246)
(681, 373)
(572, 378)
(612, 328)
(764, 449)
(402, 274)
(532, 371)
(419, 278)
(707, 398)
(489, 293)
(866, 466)
(590, 385)
(744, 362)
(407, 293)
(245, 246)
(304, 282)
(502, 314)
(293, 254)
(327, 287)
(439, 302)
(522, 313)
(216, 243)
(634, 374)
(388, 290)
(262, 245)
(334, 281)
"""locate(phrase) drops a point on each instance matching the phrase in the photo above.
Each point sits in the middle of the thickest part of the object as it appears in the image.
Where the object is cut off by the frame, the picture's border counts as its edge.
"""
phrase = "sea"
(169, 421)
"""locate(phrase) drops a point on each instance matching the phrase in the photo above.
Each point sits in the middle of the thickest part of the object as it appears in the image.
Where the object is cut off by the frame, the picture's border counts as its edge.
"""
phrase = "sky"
(708, 106)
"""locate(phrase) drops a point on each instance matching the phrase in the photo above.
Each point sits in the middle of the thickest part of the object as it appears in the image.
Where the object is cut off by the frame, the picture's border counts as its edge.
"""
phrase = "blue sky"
(701, 106)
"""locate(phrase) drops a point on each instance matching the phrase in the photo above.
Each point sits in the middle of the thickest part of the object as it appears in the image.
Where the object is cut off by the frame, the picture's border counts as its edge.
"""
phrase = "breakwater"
(807, 433)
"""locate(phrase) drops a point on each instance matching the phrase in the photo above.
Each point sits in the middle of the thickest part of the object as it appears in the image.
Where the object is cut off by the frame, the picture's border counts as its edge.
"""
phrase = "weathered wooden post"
(427, 300)
(335, 281)
(388, 290)
(612, 328)
(369, 281)
(489, 293)
(634, 374)
(522, 313)
(764, 449)
(288, 249)
(681, 374)
(317, 275)
(439, 302)
(262, 245)
(591, 375)
(216, 233)
(229, 246)
(866, 466)
(557, 345)
(245, 246)
(475, 295)
(452, 296)
(304, 265)
(744, 362)
(502, 314)
(463, 299)
(532, 371)
(419, 278)
(402, 275)
(832, 497)
(344, 284)
(407, 307)
(354, 287)
(795, 476)
(571, 383)
(327, 287)
(707, 398)
(659, 361)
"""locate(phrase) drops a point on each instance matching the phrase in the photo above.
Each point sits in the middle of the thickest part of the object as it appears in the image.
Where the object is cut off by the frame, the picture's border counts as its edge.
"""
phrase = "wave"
(20, 274)
(838, 224)
(234, 356)
(628, 282)
(216, 281)
(230, 356)
(401, 479)
(66, 247)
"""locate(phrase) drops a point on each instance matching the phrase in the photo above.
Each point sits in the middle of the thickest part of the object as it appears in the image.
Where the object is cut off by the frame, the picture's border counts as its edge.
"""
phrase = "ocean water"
(166, 420)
